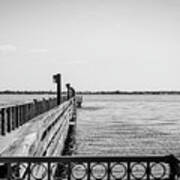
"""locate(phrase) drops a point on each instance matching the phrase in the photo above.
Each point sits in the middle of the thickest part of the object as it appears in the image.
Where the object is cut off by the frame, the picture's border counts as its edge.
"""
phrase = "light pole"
(57, 80)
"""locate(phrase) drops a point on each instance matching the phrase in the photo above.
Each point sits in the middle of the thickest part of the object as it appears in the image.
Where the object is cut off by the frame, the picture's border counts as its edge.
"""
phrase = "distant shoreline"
(95, 92)
(132, 93)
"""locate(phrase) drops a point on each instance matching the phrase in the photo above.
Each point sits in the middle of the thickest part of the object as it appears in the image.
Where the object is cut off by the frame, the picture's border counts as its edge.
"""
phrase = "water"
(11, 99)
(128, 125)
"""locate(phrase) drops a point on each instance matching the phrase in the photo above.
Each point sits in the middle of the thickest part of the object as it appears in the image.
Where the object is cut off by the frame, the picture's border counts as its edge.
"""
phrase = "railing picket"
(148, 171)
(109, 170)
(69, 171)
(29, 171)
(128, 170)
(88, 171)
(9, 171)
(49, 170)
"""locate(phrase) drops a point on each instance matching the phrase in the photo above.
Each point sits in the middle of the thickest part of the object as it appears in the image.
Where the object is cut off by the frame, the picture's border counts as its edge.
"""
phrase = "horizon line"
(93, 92)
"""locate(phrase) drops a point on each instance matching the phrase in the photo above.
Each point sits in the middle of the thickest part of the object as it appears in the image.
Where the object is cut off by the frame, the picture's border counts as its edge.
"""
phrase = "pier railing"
(90, 168)
(12, 117)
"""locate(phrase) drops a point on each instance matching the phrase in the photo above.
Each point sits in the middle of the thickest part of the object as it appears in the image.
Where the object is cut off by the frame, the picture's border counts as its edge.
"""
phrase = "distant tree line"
(96, 92)
(130, 92)
(26, 92)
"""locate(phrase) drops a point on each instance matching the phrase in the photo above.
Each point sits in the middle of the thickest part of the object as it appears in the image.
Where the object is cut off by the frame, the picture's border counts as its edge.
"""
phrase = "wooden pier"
(41, 135)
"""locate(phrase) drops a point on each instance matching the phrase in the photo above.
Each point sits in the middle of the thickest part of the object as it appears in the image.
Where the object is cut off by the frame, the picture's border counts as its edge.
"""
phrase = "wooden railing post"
(30, 111)
(25, 112)
(0, 121)
(35, 107)
(33, 110)
(3, 122)
(21, 115)
(9, 122)
(17, 116)
(13, 117)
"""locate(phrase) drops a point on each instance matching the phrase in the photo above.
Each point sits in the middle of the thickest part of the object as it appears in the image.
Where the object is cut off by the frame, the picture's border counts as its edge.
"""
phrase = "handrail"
(12, 117)
(88, 159)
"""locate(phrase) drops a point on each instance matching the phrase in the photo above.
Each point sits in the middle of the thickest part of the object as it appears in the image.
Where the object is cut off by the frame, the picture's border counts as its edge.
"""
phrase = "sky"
(95, 44)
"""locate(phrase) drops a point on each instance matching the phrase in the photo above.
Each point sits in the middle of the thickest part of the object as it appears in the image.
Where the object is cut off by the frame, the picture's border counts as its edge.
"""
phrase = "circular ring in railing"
(59, 170)
(79, 171)
(98, 170)
(158, 170)
(39, 171)
(118, 170)
(18, 170)
(138, 170)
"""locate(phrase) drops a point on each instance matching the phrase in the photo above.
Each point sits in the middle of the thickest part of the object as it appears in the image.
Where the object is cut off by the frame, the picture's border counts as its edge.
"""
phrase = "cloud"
(7, 48)
(78, 62)
(74, 62)
(38, 50)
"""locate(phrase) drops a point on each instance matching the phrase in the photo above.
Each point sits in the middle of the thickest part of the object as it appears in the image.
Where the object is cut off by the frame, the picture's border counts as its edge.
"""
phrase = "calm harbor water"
(122, 124)
(6, 100)
(128, 125)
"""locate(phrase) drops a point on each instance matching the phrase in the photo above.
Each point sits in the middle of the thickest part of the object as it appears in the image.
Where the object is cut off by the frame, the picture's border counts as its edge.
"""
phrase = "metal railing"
(90, 168)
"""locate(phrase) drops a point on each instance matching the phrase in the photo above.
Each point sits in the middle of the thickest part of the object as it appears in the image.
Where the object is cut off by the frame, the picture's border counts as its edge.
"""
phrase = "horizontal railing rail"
(89, 168)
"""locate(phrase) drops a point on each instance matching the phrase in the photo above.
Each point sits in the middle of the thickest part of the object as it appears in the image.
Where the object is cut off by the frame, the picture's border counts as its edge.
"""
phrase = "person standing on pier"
(70, 91)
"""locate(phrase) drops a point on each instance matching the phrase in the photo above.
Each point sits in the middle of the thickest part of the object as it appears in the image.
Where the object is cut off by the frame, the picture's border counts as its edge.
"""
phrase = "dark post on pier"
(57, 80)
